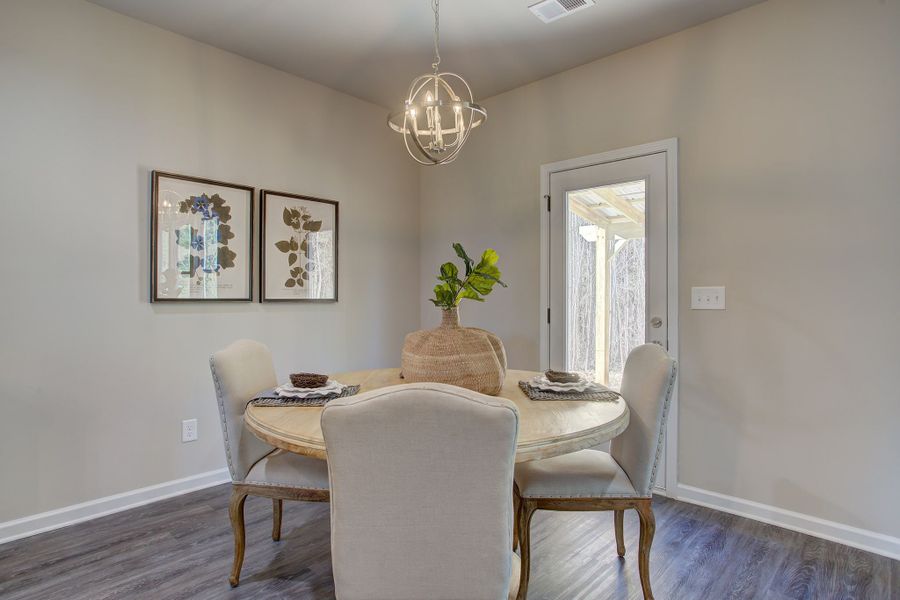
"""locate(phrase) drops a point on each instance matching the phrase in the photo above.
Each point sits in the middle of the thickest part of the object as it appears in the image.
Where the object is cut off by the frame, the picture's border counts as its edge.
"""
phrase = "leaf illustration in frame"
(226, 257)
(225, 234)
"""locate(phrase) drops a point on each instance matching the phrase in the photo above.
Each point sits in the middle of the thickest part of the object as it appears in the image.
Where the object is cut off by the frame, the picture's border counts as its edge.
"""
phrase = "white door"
(608, 264)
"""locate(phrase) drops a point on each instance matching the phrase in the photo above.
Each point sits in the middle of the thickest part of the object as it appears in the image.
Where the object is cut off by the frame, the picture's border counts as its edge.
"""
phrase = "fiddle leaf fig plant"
(478, 281)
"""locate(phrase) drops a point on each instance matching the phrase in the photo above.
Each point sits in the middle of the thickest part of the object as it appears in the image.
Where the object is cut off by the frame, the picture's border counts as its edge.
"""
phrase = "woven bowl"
(308, 380)
(562, 376)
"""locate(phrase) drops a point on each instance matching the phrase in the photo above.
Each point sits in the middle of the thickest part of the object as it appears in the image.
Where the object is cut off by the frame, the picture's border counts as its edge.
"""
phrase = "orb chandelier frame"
(433, 102)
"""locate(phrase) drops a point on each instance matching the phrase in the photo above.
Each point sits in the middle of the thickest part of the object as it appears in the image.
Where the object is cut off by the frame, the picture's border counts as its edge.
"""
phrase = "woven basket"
(464, 356)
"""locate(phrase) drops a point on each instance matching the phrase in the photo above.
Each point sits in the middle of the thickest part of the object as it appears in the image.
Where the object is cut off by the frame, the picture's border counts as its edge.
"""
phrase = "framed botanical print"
(299, 241)
(201, 239)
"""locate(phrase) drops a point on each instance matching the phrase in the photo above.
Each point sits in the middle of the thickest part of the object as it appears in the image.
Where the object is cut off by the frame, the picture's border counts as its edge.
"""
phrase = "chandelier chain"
(436, 6)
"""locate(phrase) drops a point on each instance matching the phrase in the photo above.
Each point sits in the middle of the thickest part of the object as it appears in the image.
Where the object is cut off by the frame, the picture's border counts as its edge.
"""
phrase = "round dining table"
(546, 427)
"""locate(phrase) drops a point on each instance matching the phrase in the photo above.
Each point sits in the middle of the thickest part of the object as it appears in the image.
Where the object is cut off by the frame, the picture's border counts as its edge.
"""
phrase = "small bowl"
(562, 376)
(308, 380)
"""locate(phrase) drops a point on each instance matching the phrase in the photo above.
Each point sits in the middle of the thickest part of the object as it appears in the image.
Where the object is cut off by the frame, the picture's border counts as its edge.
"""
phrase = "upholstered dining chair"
(421, 494)
(592, 480)
(239, 372)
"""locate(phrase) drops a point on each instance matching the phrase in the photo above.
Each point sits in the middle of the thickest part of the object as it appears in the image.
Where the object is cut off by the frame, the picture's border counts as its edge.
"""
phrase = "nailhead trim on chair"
(662, 430)
(212, 367)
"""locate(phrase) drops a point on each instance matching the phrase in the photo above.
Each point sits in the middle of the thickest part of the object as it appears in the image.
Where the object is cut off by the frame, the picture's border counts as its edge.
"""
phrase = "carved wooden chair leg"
(620, 536)
(236, 512)
(276, 519)
(526, 511)
(648, 528)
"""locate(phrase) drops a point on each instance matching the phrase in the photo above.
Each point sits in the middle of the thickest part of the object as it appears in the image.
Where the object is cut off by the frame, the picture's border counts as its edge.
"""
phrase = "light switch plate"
(708, 298)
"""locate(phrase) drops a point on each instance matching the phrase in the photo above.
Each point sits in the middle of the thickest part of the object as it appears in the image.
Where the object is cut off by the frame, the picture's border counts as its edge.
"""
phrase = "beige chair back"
(421, 493)
(647, 385)
(239, 372)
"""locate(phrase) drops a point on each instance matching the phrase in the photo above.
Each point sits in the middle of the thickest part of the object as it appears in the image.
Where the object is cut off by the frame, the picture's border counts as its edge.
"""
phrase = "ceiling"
(371, 49)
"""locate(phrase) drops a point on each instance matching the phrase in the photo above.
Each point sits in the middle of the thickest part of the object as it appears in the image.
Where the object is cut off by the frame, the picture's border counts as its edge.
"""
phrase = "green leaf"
(469, 293)
(290, 283)
(283, 245)
(286, 217)
(294, 245)
(448, 272)
(460, 252)
(480, 284)
(312, 225)
(292, 258)
(489, 258)
(490, 272)
(443, 296)
(295, 272)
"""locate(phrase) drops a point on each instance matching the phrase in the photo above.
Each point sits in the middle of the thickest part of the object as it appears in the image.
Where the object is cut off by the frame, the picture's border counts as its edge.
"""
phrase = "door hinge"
(548, 202)
(548, 316)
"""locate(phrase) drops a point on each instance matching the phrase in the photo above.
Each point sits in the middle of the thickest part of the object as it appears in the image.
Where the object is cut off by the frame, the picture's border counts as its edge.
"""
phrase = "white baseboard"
(863, 539)
(76, 513)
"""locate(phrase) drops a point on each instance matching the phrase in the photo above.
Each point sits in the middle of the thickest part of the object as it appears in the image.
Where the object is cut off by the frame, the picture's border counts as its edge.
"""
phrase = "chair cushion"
(584, 474)
(290, 470)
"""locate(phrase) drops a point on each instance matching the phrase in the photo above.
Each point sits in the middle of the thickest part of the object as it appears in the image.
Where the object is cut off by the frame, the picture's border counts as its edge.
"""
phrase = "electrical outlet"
(189, 430)
(708, 298)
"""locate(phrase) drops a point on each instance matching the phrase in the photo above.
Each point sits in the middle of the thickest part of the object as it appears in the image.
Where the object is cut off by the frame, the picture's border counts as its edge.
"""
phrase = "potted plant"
(465, 356)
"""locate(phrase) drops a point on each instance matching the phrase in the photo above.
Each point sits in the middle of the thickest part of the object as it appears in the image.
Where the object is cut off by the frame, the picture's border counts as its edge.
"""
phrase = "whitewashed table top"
(546, 428)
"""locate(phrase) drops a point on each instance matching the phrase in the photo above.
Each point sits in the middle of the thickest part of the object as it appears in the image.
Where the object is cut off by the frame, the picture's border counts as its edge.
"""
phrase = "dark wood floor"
(181, 548)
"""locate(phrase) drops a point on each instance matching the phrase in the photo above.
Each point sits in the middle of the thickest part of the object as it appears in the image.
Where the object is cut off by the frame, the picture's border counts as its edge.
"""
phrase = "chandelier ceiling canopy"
(439, 112)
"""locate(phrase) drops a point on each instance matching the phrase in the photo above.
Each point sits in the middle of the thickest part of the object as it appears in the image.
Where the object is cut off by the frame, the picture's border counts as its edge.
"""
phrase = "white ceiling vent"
(551, 10)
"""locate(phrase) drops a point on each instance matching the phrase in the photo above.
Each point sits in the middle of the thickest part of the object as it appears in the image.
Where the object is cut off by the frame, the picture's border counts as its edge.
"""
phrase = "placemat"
(269, 398)
(601, 394)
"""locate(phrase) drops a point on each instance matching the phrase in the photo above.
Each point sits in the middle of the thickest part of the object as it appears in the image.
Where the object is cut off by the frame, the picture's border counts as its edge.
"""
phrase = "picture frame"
(299, 242)
(186, 213)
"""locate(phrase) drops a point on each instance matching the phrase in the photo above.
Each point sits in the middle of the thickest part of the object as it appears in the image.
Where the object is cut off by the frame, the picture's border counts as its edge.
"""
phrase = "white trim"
(670, 147)
(92, 509)
(855, 537)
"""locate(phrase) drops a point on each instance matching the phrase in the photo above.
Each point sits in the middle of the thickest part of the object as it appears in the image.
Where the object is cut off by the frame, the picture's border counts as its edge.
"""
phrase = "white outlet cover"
(707, 298)
(189, 430)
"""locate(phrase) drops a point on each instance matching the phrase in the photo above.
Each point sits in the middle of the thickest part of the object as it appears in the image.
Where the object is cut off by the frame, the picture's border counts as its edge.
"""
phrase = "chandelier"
(436, 119)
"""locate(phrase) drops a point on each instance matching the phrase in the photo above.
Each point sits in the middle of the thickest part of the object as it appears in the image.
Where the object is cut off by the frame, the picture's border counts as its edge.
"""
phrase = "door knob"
(655, 322)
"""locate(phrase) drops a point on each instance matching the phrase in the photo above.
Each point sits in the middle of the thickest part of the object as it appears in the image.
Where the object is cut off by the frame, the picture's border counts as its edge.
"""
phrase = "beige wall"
(787, 117)
(94, 380)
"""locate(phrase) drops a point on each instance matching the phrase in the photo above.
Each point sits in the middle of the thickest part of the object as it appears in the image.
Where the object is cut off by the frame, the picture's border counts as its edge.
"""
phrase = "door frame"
(670, 147)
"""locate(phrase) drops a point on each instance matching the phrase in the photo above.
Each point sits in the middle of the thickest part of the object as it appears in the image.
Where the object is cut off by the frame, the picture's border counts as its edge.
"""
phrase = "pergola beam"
(620, 204)
(586, 211)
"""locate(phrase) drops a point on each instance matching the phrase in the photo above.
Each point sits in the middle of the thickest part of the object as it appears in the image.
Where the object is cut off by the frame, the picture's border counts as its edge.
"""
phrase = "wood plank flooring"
(181, 548)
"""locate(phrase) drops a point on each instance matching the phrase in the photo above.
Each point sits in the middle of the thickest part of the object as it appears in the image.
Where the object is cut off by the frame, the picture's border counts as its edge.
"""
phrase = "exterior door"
(608, 265)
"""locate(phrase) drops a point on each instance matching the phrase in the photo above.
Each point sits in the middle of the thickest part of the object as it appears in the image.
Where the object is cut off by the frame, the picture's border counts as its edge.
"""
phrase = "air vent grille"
(551, 10)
